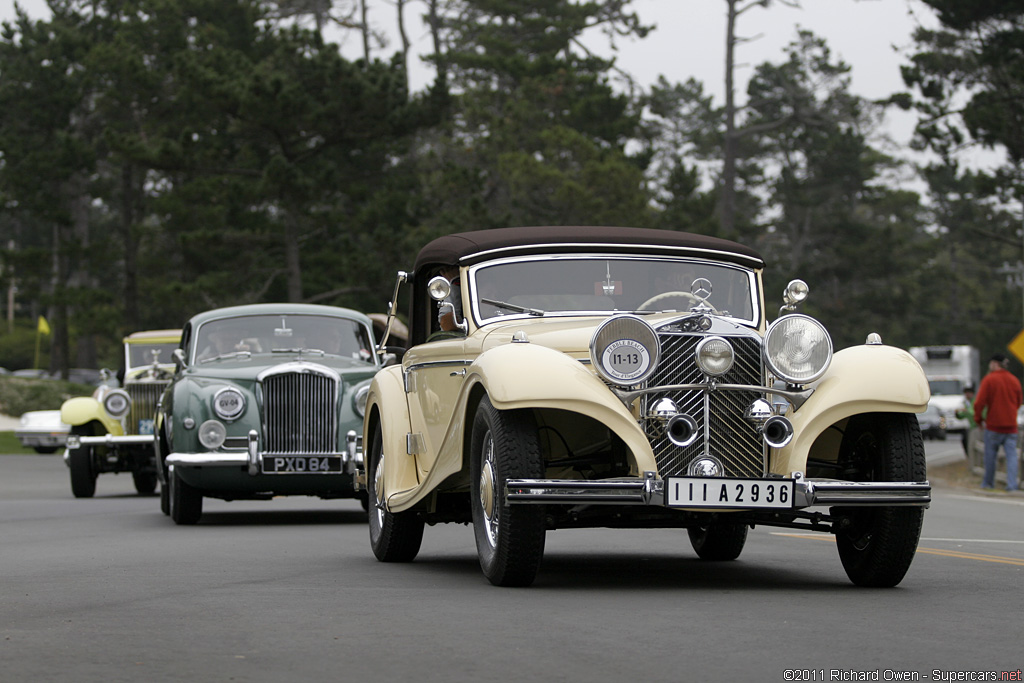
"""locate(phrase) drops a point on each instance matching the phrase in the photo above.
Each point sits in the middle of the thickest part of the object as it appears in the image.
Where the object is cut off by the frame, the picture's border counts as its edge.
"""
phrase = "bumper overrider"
(653, 491)
(257, 462)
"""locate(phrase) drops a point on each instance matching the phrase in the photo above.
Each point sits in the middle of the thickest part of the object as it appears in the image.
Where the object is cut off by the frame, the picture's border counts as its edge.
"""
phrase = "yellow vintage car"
(112, 430)
(631, 378)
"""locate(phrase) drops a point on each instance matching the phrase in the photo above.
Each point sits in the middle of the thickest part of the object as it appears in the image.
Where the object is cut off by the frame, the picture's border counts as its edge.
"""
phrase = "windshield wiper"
(300, 351)
(233, 354)
(514, 307)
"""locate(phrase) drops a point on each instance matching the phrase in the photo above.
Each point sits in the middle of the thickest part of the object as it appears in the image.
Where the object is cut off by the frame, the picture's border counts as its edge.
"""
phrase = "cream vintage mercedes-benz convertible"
(630, 378)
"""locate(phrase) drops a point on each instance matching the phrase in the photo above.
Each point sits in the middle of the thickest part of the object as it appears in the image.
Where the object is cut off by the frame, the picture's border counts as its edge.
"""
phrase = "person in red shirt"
(995, 410)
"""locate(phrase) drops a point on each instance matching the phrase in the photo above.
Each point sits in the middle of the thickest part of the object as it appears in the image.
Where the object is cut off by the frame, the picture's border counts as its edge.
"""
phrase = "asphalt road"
(109, 589)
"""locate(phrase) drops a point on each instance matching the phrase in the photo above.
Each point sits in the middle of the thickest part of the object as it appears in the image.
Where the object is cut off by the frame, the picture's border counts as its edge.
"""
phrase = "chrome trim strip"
(648, 491)
(657, 249)
(797, 398)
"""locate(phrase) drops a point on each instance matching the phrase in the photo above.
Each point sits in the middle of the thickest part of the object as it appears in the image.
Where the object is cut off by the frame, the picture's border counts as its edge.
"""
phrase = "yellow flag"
(44, 327)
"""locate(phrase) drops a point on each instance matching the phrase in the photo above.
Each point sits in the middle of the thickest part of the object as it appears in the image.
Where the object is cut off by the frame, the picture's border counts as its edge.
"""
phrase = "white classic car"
(617, 377)
(42, 430)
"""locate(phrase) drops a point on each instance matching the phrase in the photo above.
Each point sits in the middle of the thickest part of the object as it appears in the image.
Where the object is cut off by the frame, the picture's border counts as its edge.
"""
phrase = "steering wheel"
(667, 295)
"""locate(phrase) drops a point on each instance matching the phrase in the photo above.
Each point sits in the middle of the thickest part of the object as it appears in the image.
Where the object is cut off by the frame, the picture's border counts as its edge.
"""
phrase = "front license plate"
(703, 492)
(146, 426)
(301, 464)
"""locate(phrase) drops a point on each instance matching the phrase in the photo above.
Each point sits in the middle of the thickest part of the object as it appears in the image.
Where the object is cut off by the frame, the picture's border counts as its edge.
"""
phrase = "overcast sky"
(689, 41)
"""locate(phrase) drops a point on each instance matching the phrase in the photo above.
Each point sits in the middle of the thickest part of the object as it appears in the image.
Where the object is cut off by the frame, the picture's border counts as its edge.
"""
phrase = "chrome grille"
(144, 397)
(299, 414)
(719, 414)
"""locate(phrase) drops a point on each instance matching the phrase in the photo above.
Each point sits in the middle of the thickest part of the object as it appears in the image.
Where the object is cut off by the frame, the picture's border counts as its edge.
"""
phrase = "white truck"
(949, 369)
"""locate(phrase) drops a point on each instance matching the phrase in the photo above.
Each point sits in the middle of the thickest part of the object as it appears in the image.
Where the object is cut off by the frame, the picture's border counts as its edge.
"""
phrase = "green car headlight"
(228, 403)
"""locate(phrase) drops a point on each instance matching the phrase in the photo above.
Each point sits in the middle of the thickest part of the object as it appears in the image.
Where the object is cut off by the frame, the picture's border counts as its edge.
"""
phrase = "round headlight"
(228, 403)
(625, 350)
(359, 400)
(715, 356)
(439, 288)
(117, 403)
(212, 434)
(797, 349)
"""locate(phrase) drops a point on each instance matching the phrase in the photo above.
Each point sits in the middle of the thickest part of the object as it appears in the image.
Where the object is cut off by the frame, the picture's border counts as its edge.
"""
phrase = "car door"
(434, 374)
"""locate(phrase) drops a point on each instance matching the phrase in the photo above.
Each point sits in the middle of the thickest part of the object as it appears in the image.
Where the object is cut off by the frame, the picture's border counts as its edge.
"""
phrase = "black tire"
(186, 503)
(45, 450)
(162, 450)
(394, 536)
(165, 499)
(718, 542)
(83, 475)
(509, 538)
(145, 482)
(879, 543)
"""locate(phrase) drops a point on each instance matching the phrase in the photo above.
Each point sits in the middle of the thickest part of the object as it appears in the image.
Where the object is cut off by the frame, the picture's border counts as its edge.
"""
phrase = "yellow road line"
(929, 551)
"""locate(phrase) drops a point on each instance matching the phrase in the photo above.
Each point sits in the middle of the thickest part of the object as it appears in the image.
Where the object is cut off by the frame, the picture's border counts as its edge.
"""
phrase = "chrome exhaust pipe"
(682, 430)
(777, 431)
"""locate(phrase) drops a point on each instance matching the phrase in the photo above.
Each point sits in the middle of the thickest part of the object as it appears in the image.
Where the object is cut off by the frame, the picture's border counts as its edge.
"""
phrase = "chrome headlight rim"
(222, 406)
(212, 434)
(772, 357)
(628, 334)
(701, 358)
(117, 403)
(359, 399)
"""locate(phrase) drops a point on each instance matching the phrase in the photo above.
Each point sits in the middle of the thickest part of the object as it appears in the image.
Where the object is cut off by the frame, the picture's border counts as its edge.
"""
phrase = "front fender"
(861, 379)
(518, 376)
(388, 402)
(531, 376)
(85, 409)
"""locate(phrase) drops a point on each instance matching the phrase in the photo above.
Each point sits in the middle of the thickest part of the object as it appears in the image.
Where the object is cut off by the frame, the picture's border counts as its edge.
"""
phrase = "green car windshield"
(267, 334)
(575, 285)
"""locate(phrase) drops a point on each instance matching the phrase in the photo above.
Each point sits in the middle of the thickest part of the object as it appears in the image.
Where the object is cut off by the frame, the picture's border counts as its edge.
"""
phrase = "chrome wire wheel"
(490, 510)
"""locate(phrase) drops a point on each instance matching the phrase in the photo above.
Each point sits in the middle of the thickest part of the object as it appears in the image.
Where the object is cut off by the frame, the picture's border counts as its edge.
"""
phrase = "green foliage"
(9, 445)
(19, 395)
(18, 347)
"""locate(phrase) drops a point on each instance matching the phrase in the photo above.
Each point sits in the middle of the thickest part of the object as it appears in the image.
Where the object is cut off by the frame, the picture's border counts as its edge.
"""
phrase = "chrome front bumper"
(650, 491)
(76, 440)
(252, 458)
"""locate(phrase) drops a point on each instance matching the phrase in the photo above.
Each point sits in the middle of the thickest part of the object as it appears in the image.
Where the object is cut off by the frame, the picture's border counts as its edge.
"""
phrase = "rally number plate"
(713, 492)
(301, 464)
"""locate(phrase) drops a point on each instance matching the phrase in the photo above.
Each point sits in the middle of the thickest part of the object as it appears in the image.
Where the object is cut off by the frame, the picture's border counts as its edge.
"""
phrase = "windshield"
(265, 334)
(561, 285)
(945, 387)
(142, 354)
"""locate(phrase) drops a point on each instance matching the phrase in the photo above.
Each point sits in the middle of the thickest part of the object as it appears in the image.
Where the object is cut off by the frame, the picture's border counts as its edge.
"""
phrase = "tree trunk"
(130, 215)
(727, 201)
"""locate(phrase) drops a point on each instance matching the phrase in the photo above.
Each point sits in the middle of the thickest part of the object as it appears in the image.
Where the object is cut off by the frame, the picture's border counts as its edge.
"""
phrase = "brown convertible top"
(467, 248)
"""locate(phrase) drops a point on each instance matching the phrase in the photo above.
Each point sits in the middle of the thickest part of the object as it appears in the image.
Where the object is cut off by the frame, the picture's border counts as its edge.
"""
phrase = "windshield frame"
(481, 320)
(201, 332)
